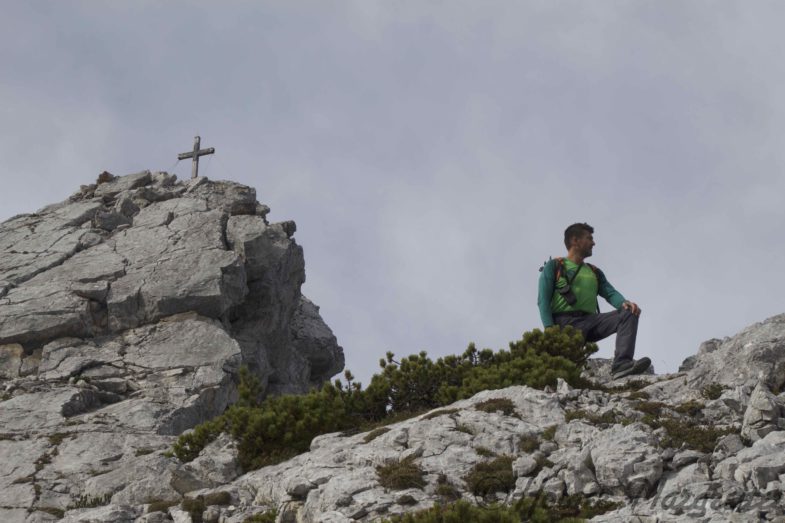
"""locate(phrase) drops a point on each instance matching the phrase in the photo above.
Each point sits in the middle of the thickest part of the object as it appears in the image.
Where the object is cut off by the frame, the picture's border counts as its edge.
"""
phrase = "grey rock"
(524, 465)
(109, 221)
(123, 183)
(763, 414)
(217, 464)
(626, 460)
(315, 341)
(124, 318)
(686, 457)
(107, 514)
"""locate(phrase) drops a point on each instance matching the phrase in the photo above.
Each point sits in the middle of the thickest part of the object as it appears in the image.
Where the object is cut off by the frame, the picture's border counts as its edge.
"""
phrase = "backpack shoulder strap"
(558, 269)
(596, 270)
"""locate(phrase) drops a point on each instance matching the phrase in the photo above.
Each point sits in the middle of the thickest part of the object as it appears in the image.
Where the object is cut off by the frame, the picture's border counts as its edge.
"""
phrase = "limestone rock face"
(125, 314)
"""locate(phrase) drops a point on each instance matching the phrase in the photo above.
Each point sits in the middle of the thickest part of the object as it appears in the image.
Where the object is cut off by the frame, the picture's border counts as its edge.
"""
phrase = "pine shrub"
(401, 475)
(280, 427)
(491, 476)
(534, 509)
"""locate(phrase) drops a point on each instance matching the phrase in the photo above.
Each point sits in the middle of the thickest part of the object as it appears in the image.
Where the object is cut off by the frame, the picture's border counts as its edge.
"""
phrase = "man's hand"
(632, 307)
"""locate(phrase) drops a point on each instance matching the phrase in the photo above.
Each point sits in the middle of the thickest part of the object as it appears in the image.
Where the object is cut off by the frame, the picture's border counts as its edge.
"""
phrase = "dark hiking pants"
(596, 327)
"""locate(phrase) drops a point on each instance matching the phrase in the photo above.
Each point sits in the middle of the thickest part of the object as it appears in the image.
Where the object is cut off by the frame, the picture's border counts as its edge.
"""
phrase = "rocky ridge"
(125, 314)
(705, 444)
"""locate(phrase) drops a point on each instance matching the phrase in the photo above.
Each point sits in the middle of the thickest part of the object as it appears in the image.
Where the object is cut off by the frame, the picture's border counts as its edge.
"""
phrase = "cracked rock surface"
(126, 312)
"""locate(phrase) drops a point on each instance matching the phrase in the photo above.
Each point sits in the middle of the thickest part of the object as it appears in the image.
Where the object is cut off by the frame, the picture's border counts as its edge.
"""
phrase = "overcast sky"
(432, 153)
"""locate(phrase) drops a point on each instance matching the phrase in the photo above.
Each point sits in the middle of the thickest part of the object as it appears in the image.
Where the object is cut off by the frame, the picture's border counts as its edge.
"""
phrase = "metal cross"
(195, 154)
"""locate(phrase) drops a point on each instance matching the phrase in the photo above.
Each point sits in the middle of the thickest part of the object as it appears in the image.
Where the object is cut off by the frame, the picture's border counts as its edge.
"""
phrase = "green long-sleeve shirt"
(585, 285)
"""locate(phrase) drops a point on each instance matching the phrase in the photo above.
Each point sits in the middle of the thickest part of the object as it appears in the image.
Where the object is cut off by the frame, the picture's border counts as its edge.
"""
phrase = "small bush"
(690, 408)
(57, 438)
(630, 386)
(490, 477)
(485, 452)
(188, 446)
(549, 433)
(159, 505)
(679, 433)
(528, 443)
(446, 490)
(460, 427)
(609, 417)
(440, 412)
(712, 391)
(651, 408)
(195, 508)
(143, 451)
(638, 395)
(375, 433)
(406, 499)
(90, 502)
(56, 512)
(264, 517)
(459, 512)
(401, 475)
(503, 405)
(569, 509)
(221, 498)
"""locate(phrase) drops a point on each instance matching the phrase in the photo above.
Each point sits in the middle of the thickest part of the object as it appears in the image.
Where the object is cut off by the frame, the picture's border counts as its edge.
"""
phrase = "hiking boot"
(628, 368)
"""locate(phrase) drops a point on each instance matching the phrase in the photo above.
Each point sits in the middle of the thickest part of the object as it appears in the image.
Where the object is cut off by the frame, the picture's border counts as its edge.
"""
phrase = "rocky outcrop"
(125, 314)
(714, 453)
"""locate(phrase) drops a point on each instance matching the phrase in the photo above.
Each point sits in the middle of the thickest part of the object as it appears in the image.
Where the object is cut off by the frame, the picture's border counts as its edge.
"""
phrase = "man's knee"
(626, 315)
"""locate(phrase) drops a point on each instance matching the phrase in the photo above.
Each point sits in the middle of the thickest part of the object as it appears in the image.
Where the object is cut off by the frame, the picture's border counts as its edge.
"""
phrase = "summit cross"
(195, 154)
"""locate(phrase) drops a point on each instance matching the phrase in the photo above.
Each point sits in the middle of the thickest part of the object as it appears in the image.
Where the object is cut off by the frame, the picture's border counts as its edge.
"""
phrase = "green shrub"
(485, 452)
(195, 508)
(680, 433)
(609, 417)
(57, 438)
(712, 391)
(528, 443)
(491, 476)
(537, 509)
(406, 499)
(159, 505)
(549, 433)
(650, 408)
(188, 446)
(264, 517)
(460, 427)
(401, 475)
(221, 497)
(440, 412)
(375, 433)
(503, 405)
(90, 501)
(690, 408)
(446, 490)
(280, 427)
(56, 512)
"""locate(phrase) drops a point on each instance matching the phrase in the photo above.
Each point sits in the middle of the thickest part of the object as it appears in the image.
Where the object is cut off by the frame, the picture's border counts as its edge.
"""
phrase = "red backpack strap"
(557, 272)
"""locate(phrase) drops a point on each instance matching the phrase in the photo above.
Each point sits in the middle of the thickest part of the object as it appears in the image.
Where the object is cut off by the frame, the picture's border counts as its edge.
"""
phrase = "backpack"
(561, 269)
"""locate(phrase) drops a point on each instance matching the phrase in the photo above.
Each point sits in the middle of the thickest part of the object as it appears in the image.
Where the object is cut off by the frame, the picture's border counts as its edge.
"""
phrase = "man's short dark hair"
(576, 230)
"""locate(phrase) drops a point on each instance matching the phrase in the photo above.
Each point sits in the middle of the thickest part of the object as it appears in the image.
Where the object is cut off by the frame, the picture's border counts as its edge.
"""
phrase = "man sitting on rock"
(568, 291)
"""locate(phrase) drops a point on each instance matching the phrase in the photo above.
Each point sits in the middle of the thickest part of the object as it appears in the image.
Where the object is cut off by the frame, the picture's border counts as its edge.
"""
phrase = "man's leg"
(596, 327)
